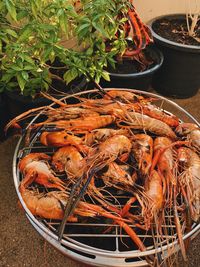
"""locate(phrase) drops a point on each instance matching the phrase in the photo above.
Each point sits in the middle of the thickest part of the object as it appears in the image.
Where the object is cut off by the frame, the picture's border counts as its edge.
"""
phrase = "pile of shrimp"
(129, 146)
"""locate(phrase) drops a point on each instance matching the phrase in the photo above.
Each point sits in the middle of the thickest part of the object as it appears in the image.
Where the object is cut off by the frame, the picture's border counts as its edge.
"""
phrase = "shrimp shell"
(140, 121)
(143, 152)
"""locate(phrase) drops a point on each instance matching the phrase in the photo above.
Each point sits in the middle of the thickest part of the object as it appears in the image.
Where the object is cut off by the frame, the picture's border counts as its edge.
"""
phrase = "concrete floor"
(21, 245)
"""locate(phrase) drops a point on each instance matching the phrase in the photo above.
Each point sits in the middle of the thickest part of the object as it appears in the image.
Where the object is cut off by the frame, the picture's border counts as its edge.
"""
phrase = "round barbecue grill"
(89, 241)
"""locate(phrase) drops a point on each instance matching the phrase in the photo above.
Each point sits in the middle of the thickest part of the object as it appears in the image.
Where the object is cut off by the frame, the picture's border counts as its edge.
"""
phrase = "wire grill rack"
(97, 241)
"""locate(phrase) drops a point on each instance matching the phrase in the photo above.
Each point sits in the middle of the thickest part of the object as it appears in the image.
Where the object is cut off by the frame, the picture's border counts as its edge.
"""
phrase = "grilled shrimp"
(116, 175)
(140, 121)
(70, 160)
(115, 146)
(32, 157)
(154, 190)
(156, 113)
(101, 135)
(80, 124)
(108, 151)
(35, 170)
(46, 205)
(152, 200)
(123, 95)
(165, 166)
(192, 132)
(59, 139)
(69, 112)
(189, 179)
(143, 151)
(51, 206)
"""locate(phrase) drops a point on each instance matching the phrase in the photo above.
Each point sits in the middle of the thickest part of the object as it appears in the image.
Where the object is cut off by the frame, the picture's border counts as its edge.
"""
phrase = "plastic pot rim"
(178, 46)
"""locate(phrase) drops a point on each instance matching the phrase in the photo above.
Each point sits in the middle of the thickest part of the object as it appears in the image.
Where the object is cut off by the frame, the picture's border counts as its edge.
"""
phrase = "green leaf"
(100, 28)
(6, 77)
(89, 51)
(83, 26)
(63, 22)
(28, 59)
(22, 14)
(15, 67)
(25, 75)
(34, 8)
(25, 33)
(46, 53)
(45, 85)
(52, 56)
(11, 9)
(106, 76)
(11, 32)
(70, 75)
(21, 81)
(29, 67)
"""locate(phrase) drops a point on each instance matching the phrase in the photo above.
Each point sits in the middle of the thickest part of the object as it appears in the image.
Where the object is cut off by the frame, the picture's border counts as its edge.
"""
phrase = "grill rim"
(53, 238)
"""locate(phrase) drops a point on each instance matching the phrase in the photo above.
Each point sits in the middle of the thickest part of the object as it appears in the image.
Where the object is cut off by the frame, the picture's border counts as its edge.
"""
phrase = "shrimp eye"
(145, 163)
(148, 147)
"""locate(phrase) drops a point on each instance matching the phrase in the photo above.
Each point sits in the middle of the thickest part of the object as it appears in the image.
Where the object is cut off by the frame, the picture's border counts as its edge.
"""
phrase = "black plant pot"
(179, 75)
(17, 104)
(140, 80)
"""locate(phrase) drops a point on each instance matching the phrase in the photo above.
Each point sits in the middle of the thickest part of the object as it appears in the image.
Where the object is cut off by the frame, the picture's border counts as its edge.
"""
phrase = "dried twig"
(194, 17)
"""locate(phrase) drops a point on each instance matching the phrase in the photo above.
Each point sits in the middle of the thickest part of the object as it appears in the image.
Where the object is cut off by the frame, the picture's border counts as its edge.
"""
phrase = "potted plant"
(178, 37)
(137, 59)
(46, 45)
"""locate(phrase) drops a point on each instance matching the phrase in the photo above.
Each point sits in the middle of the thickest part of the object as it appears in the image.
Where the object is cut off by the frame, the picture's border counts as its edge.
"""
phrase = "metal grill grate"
(98, 241)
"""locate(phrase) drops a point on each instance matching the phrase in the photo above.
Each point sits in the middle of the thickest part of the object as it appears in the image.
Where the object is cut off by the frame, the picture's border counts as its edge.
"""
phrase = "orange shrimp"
(36, 170)
(189, 179)
(85, 123)
(114, 146)
(123, 95)
(51, 206)
(32, 157)
(117, 176)
(143, 152)
(46, 205)
(108, 151)
(69, 112)
(154, 190)
(192, 132)
(140, 121)
(153, 204)
(59, 139)
(102, 134)
(156, 113)
(70, 160)
(165, 166)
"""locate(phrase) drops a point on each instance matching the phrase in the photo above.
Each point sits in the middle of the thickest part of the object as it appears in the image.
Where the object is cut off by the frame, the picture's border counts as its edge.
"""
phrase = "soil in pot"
(133, 65)
(179, 76)
(135, 73)
(176, 30)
